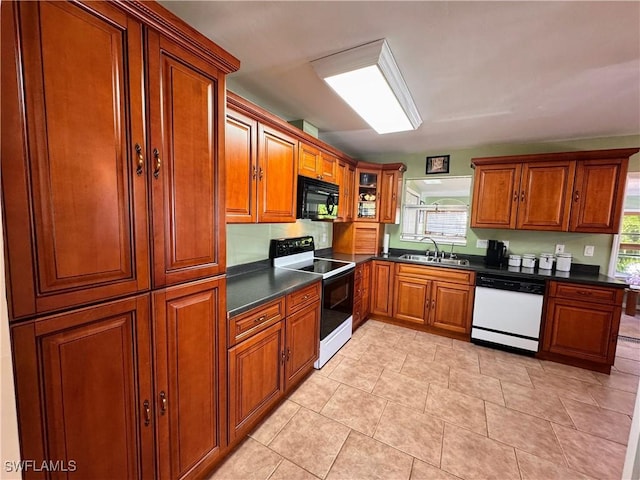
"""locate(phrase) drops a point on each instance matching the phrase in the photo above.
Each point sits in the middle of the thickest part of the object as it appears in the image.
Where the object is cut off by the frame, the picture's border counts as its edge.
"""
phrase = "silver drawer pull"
(260, 319)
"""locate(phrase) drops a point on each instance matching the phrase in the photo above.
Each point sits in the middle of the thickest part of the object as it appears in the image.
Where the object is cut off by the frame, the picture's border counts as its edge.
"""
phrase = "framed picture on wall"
(439, 164)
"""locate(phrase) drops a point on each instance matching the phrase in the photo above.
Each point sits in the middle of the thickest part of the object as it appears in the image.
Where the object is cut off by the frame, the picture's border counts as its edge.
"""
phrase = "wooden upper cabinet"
(545, 196)
(84, 390)
(277, 175)
(241, 168)
(328, 165)
(186, 189)
(190, 361)
(316, 164)
(598, 196)
(309, 161)
(350, 184)
(569, 191)
(389, 195)
(345, 176)
(74, 190)
(496, 190)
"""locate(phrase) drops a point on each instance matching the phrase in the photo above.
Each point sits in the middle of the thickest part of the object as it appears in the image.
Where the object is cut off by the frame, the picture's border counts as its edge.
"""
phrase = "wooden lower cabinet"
(264, 366)
(411, 299)
(451, 307)
(382, 283)
(302, 343)
(581, 325)
(362, 294)
(190, 368)
(84, 390)
(256, 380)
(440, 298)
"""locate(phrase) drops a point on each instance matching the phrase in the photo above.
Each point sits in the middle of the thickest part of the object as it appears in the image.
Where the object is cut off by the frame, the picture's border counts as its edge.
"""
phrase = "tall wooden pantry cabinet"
(113, 200)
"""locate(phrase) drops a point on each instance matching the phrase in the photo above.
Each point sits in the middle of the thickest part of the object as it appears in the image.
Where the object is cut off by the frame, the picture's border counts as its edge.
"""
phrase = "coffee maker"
(496, 254)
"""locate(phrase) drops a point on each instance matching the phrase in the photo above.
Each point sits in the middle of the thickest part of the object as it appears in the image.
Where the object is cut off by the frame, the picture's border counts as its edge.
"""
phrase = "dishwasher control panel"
(503, 282)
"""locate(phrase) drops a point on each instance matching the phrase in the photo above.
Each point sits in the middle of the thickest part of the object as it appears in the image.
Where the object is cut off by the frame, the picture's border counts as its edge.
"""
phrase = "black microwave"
(317, 200)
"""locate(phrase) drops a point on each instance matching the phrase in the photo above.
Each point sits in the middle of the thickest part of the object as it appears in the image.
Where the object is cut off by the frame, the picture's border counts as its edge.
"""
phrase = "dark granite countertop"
(584, 274)
(251, 289)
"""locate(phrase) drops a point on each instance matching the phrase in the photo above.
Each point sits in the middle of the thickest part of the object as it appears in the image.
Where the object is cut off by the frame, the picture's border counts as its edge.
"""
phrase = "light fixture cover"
(355, 75)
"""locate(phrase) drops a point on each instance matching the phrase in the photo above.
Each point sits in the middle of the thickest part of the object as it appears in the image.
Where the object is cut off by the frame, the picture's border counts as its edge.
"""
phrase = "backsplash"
(250, 242)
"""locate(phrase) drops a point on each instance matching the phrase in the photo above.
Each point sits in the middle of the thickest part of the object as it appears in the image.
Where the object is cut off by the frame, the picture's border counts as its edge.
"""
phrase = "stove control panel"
(283, 247)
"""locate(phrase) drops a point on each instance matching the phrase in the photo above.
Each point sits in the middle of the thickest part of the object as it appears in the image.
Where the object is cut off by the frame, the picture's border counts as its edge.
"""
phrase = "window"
(626, 251)
(436, 208)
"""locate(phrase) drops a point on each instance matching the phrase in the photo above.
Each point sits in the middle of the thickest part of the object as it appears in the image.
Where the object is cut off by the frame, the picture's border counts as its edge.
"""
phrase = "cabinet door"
(382, 288)
(303, 341)
(83, 385)
(351, 192)
(83, 216)
(341, 179)
(389, 196)
(256, 380)
(366, 290)
(598, 196)
(328, 167)
(545, 196)
(411, 299)
(581, 330)
(241, 168)
(495, 196)
(451, 307)
(367, 195)
(277, 176)
(309, 161)
(186, 126)
(190, 376)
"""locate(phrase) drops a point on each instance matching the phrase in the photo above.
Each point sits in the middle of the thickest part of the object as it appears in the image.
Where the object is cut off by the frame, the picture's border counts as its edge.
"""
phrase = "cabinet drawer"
(255, 320)
(303, 297)
(587, 293)
(445, 274)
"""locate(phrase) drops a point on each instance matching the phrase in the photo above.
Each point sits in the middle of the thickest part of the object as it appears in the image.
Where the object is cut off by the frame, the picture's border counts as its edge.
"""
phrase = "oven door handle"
(339, 276)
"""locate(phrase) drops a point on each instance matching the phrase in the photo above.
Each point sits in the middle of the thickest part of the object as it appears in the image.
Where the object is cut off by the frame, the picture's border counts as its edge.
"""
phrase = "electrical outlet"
(324, 237)
(506, 243)
(589, 250)
(559, 248)
(481, 243)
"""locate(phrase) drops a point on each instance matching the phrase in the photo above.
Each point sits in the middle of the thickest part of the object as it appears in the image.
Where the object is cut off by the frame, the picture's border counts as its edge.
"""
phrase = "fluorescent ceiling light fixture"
(368, 79)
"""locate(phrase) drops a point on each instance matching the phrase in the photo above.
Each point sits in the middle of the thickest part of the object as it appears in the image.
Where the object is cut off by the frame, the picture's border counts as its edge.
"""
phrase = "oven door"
(337, 301)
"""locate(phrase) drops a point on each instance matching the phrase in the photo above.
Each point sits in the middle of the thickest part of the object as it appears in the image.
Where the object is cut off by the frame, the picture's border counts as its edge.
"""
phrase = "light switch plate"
(559, 248)
(506, 243)
(589, 250)
(481, 243)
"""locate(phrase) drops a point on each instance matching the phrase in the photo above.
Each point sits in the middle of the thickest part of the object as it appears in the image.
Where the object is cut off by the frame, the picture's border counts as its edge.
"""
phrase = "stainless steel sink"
(443, 261)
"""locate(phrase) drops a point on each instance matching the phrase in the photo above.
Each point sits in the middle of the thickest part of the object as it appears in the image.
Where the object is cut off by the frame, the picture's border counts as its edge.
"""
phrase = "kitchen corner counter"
(248, 290)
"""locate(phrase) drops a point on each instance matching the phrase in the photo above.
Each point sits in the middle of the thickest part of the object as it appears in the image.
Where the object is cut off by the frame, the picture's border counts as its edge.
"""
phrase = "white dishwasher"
(507, 312)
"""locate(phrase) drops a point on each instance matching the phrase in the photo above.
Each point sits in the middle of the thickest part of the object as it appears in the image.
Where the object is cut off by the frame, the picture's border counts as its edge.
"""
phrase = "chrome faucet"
(434, 244)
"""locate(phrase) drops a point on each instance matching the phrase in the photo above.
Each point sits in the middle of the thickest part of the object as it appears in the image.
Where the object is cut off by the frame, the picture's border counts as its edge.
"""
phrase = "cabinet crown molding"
(545, 157)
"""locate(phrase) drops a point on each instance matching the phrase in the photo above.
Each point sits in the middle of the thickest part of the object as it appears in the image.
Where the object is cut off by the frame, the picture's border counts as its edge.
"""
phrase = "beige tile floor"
(400, 404)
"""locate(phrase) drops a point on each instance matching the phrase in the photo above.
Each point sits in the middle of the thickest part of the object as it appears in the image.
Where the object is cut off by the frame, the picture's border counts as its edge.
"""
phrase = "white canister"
(546, 261)
(514, 260)
(564, 262)
(528, 260)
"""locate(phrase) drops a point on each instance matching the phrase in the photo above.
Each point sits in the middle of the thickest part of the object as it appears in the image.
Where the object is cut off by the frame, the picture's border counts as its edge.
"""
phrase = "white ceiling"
(480, 72)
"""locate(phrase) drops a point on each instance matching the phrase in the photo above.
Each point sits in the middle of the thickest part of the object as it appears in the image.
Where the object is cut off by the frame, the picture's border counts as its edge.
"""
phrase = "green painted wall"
(519, 241)
(250, 242)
